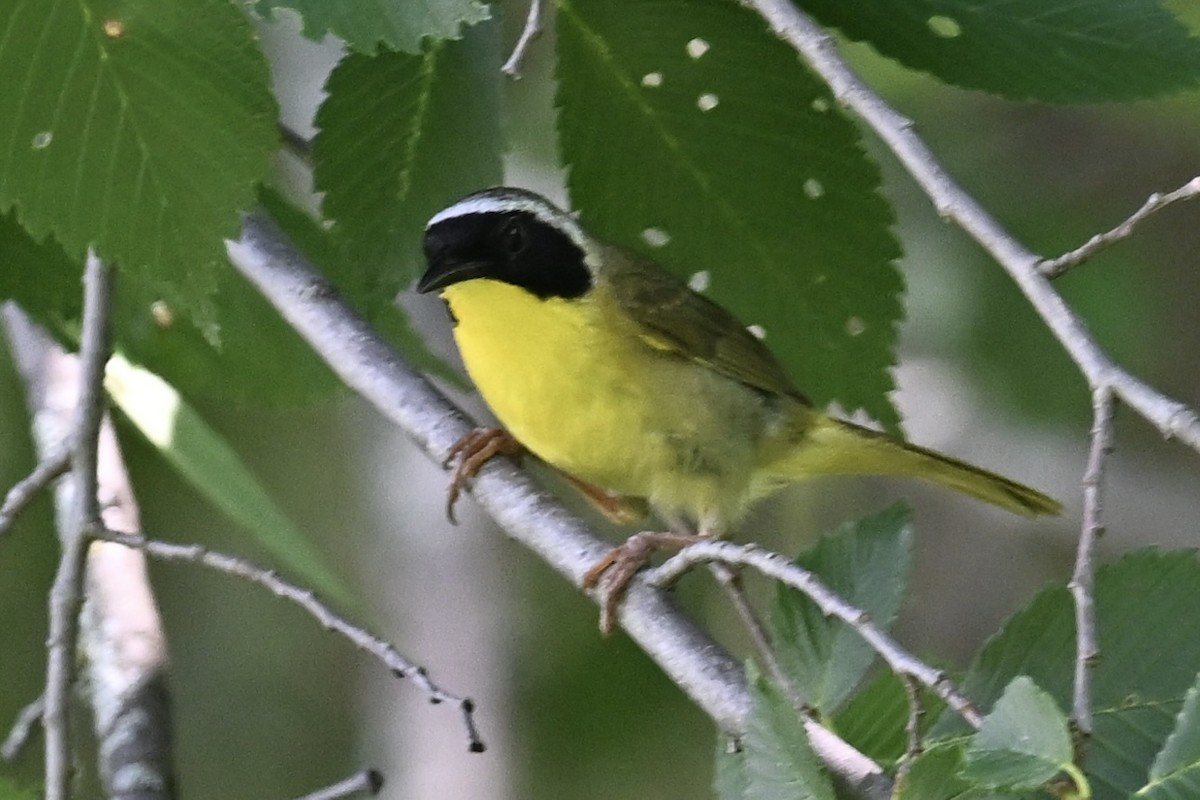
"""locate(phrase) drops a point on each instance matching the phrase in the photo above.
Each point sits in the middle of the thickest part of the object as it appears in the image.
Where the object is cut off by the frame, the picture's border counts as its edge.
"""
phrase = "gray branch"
(699, 666)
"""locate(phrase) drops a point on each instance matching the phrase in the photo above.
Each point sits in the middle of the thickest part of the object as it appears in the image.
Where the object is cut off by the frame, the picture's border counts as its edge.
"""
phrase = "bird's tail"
(834, 447)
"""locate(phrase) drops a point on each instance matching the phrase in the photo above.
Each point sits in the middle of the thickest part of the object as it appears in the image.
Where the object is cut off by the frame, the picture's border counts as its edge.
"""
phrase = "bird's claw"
(623, 562)
(473, 451)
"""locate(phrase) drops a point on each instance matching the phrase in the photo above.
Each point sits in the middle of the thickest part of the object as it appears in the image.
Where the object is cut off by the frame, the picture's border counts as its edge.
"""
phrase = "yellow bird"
(613, 371)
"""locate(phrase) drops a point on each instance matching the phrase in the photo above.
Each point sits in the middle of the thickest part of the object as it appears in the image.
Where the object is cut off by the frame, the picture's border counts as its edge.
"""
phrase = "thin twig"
(366, 364)
(306, 599)
(781, 569)
(729, 580)
(1053, 268)
(66, 594)
(912, 727)
(296, 143)
(1172, 418)
(1087, 648)
(22, 729)
(367, 781)
(27, 489)
(531, 30)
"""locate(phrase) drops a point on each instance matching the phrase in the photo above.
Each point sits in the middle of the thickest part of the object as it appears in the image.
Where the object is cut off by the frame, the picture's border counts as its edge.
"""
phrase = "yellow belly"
(584, 393)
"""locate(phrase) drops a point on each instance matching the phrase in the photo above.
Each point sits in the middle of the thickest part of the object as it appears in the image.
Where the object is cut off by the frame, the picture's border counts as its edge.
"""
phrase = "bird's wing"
(670, 316)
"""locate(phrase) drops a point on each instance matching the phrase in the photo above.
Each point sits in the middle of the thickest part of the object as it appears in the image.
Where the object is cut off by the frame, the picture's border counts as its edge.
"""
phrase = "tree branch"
(306, 599)
(704, 671)
(1172, 418)
(66, 594)
(27, 489)
(529, 32)
(1053, 268)
(1087, 648)
(776, 566)
(367, 781)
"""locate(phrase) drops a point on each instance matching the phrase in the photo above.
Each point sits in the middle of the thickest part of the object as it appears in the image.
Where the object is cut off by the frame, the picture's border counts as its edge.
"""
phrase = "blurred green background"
(268, 705)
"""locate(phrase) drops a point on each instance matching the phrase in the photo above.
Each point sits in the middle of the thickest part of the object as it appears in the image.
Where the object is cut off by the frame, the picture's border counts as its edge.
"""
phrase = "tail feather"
(835, 447)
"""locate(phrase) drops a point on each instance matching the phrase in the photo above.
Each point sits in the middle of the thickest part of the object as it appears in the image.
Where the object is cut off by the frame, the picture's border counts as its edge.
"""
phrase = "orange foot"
(622, 563)
(475, 449)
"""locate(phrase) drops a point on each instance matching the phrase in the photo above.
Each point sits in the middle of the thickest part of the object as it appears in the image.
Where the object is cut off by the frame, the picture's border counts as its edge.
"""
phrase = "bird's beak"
(443, 274)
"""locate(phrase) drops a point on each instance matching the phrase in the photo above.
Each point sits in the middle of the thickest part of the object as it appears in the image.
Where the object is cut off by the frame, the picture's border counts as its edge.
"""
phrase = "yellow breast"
(575, 384)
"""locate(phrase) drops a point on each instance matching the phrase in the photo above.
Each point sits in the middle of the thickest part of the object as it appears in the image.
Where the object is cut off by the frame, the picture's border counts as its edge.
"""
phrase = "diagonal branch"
(27, 489)
(1172, 418)
(776, 566)
(1054, 267)
(705, 672)
(306, 599)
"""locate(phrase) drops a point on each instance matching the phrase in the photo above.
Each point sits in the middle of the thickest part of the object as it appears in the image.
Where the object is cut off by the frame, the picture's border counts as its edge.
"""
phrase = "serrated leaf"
(867, 564)
(778, 761)
(40, 277)
(1058, 51)
(208, 463)
(701, 133)
(394, 24)
(137, 128)
(1175, 773)
(400, 137)
(1022, 743)
(1140, 601)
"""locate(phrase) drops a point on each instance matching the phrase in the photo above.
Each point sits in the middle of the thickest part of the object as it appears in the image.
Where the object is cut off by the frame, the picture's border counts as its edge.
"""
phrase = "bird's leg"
(617, 507)
(622, 563)
(473, 451)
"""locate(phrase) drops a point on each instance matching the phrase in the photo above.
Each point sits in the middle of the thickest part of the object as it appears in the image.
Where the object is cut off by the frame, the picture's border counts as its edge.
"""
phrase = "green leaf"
(1175, 773)
(867, 564)
(778, 761)
(693, 128)
(209, 464)
(874, 719)
(10, 791)
(395, 24)
(40, 277)
(1022, 743)
(729, 771)
(400, 137)
(1140, 601)
(1058, 51)
(935, 775)
(137, 128)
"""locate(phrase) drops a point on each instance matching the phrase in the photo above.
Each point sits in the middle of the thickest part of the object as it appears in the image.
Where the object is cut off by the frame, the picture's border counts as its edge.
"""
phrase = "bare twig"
(306, 599)
(24, 491)
(367, 781)
(912, 727)
(22, 729)
(66, 594)
(1054, 267)
(366, 364)
(531, 30)
(729, 580)
(1172, 418)
(781, 569)
(1087, 648)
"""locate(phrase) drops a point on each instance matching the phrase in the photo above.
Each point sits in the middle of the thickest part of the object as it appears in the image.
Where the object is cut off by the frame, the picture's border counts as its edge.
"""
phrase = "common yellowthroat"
(612, 370)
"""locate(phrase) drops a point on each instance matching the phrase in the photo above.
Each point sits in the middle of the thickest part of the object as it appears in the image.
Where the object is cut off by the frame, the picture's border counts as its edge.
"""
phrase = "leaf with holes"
(395, 24)
(699, 139)
(1058, 51)
(139, 129)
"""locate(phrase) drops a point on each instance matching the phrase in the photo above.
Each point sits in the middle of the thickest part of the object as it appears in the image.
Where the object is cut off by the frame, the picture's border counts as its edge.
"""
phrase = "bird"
(644, 393)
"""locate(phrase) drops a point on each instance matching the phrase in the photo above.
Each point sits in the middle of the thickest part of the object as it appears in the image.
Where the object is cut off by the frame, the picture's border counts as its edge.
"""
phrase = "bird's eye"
(512, 237)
